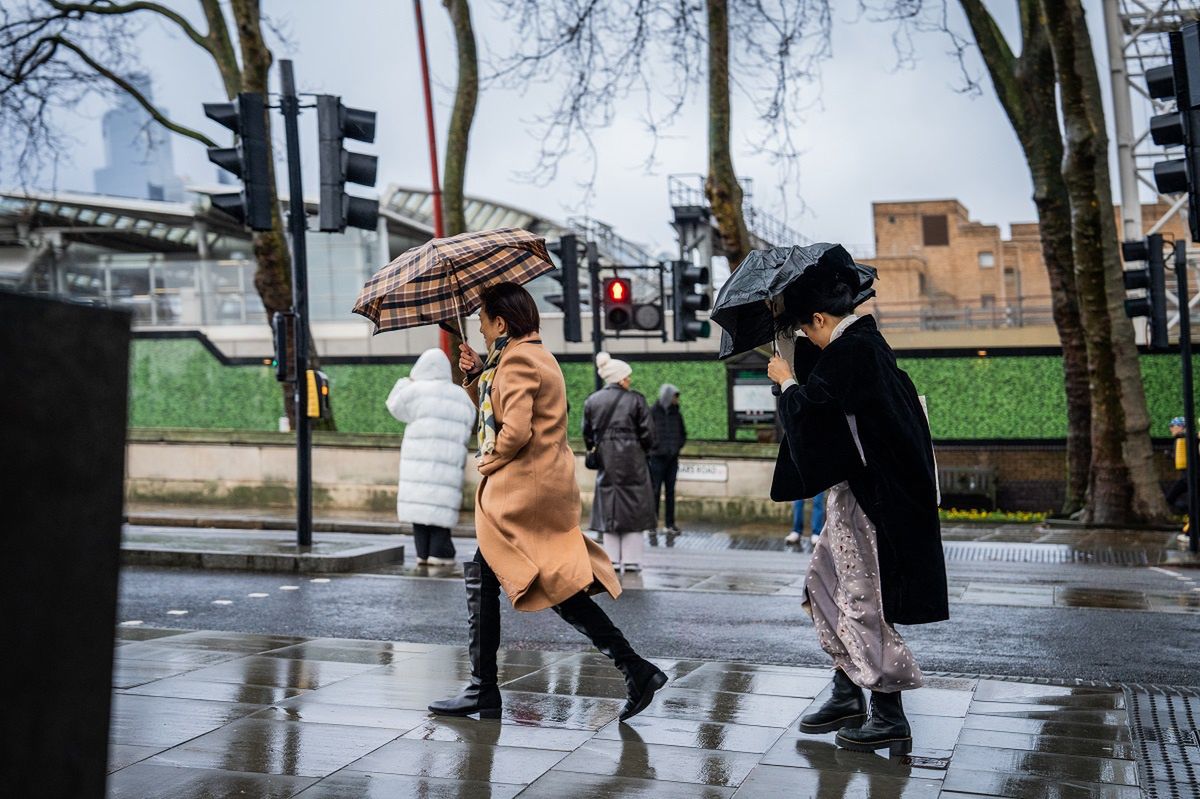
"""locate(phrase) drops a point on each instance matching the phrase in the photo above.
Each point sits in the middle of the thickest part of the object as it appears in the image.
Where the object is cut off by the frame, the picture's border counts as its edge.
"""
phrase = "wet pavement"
(971, 580)
(687, 563)
(203, 713)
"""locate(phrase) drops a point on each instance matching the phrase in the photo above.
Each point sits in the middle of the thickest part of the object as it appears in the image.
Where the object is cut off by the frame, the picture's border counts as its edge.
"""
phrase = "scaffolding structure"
(1136, 33)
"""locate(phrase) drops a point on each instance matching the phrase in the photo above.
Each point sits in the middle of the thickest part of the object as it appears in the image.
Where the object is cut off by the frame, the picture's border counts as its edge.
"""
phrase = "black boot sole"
(656, 682)
(896, 747)
(855, 721)
(484, 713)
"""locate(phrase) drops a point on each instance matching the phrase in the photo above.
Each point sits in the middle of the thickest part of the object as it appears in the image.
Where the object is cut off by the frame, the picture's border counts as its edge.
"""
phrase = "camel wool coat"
(527, 505)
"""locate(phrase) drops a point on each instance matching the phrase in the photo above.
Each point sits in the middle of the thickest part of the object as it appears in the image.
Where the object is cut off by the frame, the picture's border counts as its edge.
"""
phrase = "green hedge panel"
(178, 383)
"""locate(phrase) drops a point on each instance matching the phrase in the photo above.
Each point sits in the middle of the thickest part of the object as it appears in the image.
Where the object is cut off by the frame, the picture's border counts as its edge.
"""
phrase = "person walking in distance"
(670, 434)
(618, 434)
(438, 416)
(853, 423)
(796, 536)
(527, 510)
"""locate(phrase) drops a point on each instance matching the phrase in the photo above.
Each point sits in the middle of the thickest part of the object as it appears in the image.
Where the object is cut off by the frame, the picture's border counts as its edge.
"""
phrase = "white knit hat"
(612, 370)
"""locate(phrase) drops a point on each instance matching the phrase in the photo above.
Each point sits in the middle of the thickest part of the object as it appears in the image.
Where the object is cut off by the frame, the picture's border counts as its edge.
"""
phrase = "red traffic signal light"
(618, 291)
(618, 303)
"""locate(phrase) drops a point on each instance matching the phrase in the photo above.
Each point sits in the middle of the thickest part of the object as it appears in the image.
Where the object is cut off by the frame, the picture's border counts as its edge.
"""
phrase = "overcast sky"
(879, 133)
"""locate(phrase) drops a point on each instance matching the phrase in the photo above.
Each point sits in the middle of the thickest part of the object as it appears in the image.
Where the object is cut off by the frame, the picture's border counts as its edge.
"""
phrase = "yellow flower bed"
(1008, 517)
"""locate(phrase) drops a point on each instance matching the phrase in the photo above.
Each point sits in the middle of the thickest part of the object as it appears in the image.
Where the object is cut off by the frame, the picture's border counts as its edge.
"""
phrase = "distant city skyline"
(139, 158)
(875, 133)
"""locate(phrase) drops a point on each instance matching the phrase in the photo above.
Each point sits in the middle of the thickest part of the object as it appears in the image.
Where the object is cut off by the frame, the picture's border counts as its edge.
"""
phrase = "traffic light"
(1180, 80)
(282, 325)
(689, 295)
(648, 316)
(567, 249)
(1151, 277)
(249, 159)
(335, 124)
(618, 303)
(318, 395)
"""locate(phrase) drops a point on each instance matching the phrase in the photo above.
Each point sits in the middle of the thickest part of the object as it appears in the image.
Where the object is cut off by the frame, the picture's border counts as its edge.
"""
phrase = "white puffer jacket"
(439, 417)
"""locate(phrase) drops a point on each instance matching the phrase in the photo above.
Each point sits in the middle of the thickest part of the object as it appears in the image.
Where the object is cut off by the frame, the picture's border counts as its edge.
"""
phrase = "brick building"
(940, 269)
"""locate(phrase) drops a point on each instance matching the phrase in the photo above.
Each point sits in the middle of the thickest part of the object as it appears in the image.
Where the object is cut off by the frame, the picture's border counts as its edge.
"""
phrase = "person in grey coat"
(617, 425)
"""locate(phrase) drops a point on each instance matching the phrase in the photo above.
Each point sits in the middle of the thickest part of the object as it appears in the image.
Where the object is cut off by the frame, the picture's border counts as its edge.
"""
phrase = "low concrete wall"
(258, 470)
(718, 481)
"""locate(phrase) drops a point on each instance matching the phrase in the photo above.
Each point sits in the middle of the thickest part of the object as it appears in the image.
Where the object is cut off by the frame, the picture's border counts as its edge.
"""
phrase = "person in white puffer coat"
(439, 417)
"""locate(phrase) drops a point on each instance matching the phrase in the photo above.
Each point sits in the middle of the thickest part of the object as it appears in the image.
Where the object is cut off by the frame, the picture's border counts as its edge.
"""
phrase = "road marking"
(257, 595)
(319, 580)
(289, 588)
(136, 622)
(1168, 572)
(177, 612)
(222, 601)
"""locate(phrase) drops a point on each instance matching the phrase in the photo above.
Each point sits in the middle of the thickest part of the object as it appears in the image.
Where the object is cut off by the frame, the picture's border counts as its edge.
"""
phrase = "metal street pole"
(1189, 403)
(438, 226)
(593, 261)
(298, 225)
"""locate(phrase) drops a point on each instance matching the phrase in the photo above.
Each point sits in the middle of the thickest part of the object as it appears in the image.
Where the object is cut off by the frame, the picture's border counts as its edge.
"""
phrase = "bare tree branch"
(133, 92)
(106, 7)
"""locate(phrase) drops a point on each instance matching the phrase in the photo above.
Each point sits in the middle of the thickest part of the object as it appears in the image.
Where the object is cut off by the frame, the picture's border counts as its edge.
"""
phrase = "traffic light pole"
(593, 262)
(298, 225)
(1189, 403)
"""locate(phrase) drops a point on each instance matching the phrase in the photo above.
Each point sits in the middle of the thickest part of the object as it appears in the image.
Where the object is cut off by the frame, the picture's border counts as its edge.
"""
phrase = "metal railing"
(770, 230)
(1026, 312)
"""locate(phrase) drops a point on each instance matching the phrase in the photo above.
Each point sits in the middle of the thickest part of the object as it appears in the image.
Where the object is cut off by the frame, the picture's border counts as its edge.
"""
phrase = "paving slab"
(256, 550)
(280, 716)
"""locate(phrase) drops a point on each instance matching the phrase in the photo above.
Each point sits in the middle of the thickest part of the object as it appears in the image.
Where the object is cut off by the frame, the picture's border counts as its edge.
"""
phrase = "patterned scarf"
(487, 419)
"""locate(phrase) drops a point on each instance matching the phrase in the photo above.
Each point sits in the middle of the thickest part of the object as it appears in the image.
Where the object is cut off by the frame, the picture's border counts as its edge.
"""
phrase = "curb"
(282, 523)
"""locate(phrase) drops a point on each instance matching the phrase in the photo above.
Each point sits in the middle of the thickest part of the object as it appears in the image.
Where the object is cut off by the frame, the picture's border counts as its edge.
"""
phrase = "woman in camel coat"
(527, 509)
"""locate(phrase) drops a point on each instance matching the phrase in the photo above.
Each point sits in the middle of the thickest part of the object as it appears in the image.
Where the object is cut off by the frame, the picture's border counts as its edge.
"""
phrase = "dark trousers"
(432, 541)
(663, 469)
(1177, 495)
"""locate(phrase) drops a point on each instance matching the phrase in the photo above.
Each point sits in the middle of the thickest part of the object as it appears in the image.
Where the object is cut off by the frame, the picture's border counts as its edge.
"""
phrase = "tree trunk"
(722, 188)
(465, 96)
(1122, 486)
(1026, 87)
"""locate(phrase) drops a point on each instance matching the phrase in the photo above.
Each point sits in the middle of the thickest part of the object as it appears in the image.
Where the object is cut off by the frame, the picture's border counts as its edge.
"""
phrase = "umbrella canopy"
(741, 307)
(442, 280)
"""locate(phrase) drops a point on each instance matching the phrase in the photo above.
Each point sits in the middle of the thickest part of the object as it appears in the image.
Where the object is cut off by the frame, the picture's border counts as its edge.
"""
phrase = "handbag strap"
(602, 429)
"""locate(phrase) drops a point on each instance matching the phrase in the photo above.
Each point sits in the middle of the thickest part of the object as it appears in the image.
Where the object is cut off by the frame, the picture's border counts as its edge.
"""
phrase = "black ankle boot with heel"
(846, 707)
(886, 728)
(482, 694)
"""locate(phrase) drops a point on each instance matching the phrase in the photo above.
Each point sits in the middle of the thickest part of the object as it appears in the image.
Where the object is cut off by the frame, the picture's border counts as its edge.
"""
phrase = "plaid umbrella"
(442, 279)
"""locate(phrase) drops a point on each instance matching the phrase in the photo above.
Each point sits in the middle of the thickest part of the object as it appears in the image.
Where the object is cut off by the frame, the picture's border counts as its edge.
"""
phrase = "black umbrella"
(741, 308)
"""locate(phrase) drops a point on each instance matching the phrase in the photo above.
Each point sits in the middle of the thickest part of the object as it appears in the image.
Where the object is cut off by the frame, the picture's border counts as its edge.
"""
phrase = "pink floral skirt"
(843, 597)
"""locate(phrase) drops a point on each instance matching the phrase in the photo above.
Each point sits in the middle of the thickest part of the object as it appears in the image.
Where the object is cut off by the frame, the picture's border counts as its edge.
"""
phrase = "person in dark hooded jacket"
(670, 435)
(853, 424)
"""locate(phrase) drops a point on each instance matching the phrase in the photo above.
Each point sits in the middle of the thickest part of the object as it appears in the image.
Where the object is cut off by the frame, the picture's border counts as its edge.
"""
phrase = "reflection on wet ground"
(199, 714)
(687, 567)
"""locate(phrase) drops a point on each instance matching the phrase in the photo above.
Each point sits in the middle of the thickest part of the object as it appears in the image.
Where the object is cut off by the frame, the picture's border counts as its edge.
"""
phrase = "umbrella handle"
(776, 391)
(462, 331)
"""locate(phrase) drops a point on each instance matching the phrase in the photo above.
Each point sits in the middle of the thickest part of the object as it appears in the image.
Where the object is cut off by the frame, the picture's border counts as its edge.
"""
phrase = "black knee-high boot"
(642, 678)
(482, 695)
(846, 707)
(887, 727)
